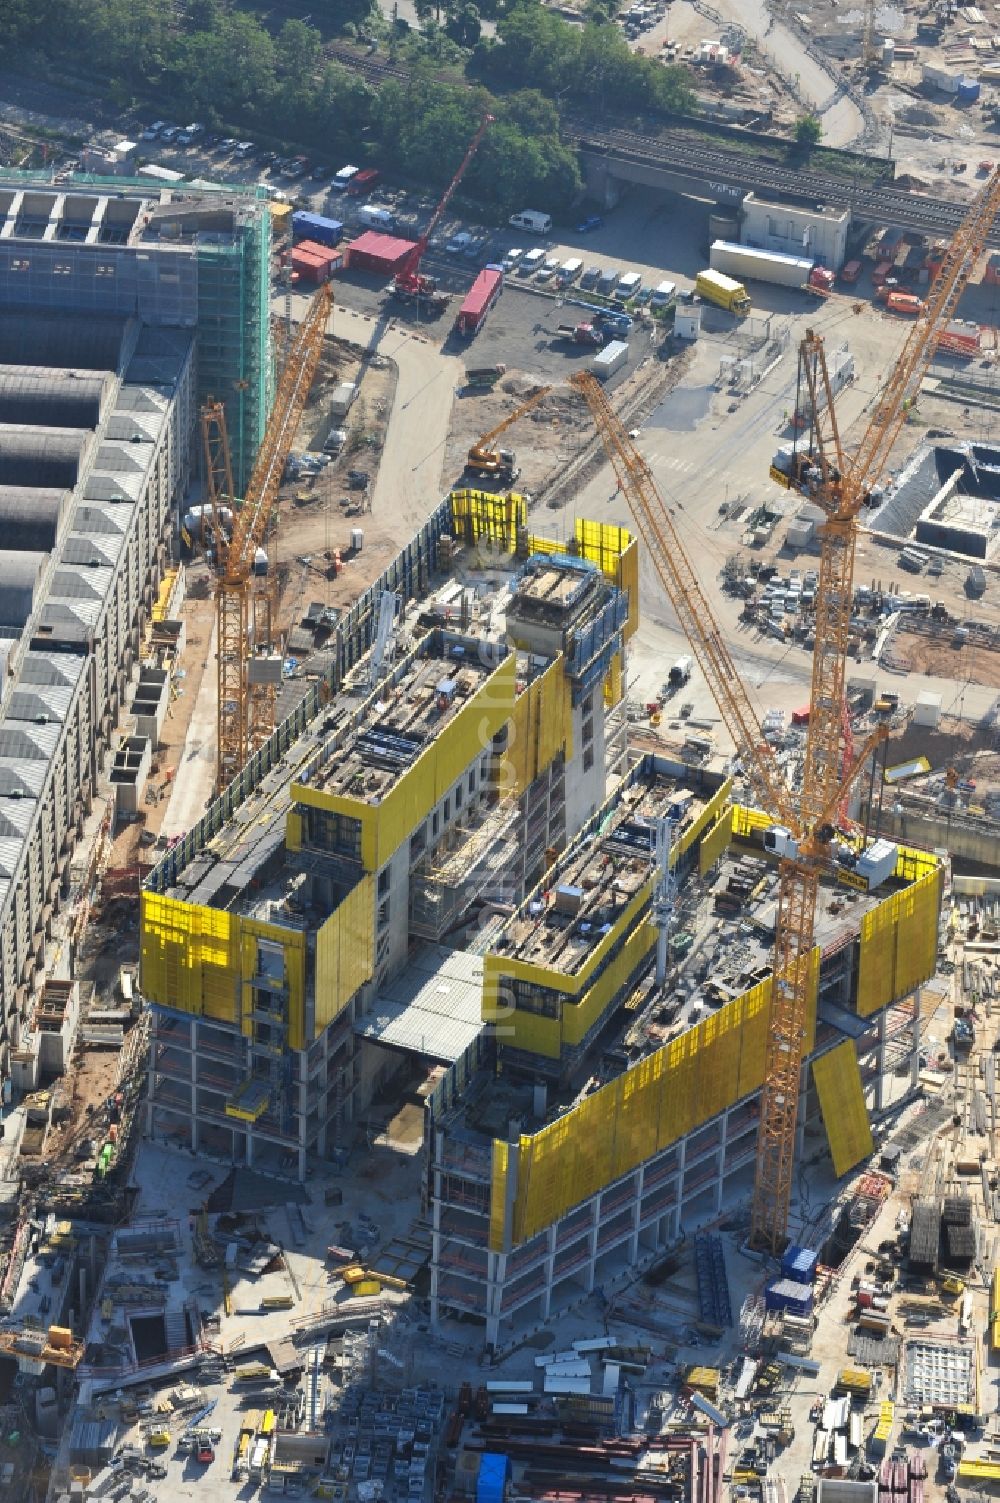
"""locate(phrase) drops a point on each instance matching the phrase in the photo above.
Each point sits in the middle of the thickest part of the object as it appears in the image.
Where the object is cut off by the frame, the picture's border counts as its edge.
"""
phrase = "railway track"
(880, 203)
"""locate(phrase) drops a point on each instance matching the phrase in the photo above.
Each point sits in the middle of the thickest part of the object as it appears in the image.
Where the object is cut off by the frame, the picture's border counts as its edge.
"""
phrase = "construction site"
(497, 981)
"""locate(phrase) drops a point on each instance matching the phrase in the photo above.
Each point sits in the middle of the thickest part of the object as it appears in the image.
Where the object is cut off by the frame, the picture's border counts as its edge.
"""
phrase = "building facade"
(409, 804)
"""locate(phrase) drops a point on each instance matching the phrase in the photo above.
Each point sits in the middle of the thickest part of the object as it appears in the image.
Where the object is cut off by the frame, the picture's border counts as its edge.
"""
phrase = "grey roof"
(50, 397)
(74, 341)
(46, 457)
(434, 1008)
(20, 574)
(31, 516)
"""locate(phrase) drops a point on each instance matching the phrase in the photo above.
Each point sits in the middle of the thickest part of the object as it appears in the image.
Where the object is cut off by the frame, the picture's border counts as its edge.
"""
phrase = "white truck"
(744, 262)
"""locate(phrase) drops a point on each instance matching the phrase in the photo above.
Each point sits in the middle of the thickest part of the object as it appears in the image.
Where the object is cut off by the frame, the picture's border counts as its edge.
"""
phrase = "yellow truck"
(725, 292)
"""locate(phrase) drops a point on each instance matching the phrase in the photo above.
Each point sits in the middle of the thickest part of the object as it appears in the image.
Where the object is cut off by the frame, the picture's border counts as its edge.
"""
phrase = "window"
(472, 781)
(436, 823)
(588, 759)
(588, 704)
(383, 882)
(458, 796)
(588, 732)
(418, 842)
(447, 810)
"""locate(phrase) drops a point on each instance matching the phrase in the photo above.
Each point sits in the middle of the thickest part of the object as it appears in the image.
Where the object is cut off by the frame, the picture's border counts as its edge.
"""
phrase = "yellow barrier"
(838, 1084)
(613, 683)
(747, 821)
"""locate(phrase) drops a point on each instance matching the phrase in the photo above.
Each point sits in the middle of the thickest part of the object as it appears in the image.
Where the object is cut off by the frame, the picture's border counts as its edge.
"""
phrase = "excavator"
(484, 462)
(802, 832)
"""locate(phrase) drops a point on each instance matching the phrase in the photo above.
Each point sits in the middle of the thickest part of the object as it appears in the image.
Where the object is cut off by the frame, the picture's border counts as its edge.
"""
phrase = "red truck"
(363, 182)
(851, 272)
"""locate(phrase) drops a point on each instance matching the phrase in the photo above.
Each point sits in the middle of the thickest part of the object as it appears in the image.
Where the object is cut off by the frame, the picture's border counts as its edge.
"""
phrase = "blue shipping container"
(306, 226)
(785, 1294)
(799, 1264)
(494, 1474)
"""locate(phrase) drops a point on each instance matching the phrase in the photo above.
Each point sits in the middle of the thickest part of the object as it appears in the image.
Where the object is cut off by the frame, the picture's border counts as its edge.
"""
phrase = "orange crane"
(501, 464)
(804, 823)
(248, 674)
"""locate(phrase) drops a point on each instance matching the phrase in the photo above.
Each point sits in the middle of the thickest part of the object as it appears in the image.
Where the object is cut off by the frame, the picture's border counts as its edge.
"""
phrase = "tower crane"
(244, 594)
(804, 822)
(488, 463)
(409, 283)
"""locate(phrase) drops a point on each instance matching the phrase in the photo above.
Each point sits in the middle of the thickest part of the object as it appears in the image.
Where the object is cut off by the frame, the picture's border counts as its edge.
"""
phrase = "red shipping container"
(482, 295)
(309, 267)
(373, 251)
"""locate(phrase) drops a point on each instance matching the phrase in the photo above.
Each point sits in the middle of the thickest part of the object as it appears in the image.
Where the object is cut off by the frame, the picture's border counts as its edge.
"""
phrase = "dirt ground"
(972, 662)
(89, 1081)
(544, 439)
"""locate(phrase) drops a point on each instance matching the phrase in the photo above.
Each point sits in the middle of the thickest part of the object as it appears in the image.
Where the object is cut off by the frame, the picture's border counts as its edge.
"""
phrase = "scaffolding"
(481, 855)
(235, 362)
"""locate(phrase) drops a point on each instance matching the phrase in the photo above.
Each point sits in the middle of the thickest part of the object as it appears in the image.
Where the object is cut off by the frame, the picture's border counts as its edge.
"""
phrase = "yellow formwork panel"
(540, 727)
(716, 842)
(912, 864)
(899, 943)
(293, 830)
(746, 821)
(498, 1194)
(485, 515)
(345, 952)
(189, 956)
(711, 811)
(579, 1017)
(837, 1077)
(667, 1095)
(613, 683)
(628, 580)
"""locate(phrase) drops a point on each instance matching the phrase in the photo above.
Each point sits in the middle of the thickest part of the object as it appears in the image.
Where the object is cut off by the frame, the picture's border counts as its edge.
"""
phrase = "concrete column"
(195, 1137)
(550, 1263)
(720, 1174)
(150, 1073)
(496, 1274)
(800, 1129)
(880, 1051)
(915, 1047)
(249, 1142)
(633, 1244)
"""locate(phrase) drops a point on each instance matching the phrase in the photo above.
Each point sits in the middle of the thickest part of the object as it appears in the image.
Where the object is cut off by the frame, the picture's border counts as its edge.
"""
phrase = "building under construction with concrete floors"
(610, 1115)
(325, 920)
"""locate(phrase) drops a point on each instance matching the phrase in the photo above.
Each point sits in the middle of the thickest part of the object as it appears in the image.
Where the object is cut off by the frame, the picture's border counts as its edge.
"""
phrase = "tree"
(808, 131)
(297, 50)
(463, 24)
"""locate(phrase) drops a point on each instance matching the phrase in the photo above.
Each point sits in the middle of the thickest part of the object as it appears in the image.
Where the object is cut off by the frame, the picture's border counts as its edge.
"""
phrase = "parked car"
(607, 281)
(458, 244)
(548, 269)
(244, 148)
(592, 222)
(228, 143)
(169, 133)
(476, 250)
(530, 262)
(511, 259)
(590, 276)
(152, 131)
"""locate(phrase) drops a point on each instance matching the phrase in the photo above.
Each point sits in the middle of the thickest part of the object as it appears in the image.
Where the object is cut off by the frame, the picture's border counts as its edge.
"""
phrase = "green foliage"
(808, 130)
(591, 65)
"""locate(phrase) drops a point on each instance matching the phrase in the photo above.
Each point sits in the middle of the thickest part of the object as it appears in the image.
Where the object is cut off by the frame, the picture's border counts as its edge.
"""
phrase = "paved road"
(194, 782)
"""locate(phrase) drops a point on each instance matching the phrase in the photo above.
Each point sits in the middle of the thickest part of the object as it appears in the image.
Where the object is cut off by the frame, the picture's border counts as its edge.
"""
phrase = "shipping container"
(851, 272)
(382, 253)
(363, 182)
(310, 266)
(744, 261)
(316, 227)
(480, 299)
(610, 359)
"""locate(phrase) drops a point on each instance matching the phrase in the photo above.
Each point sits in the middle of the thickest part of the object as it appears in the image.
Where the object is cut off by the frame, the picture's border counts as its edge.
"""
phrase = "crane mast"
(244, 614)
(804, 826)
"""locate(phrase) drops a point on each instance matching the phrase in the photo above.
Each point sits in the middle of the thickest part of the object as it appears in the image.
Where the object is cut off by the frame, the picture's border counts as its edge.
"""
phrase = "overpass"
(677, 163)
(612, 156)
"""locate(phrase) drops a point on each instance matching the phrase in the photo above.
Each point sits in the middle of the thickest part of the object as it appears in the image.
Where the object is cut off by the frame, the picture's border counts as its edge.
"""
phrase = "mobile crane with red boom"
(410, 284)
